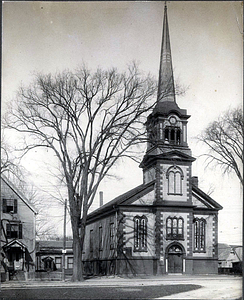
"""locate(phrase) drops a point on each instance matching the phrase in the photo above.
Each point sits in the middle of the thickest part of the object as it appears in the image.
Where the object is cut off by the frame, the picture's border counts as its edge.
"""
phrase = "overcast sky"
(206, 45)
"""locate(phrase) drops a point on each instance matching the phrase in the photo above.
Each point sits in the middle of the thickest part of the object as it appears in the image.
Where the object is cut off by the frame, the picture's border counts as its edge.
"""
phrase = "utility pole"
(64, 241)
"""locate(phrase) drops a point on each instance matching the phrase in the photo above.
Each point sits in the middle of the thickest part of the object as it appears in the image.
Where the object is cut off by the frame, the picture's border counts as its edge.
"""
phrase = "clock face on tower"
(172, 120)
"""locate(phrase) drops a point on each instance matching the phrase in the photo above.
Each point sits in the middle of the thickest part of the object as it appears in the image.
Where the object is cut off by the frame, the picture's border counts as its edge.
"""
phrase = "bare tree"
(89, 120)
(224, 139)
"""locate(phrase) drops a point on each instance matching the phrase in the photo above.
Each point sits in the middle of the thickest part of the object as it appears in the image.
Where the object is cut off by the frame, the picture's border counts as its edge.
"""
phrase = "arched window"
(199, 234)
(166, 135)
(160, 131)
(140, 233)
(175, 177)
(178, 137)
(172, 135)
(174, 228)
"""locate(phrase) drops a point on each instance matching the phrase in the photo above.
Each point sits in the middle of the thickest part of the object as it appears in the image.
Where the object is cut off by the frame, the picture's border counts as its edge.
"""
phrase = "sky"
(206, 45)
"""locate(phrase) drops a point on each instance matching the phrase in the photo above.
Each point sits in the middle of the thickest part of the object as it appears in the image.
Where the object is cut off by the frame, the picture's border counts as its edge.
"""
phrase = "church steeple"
(167, 124)
(166, 89)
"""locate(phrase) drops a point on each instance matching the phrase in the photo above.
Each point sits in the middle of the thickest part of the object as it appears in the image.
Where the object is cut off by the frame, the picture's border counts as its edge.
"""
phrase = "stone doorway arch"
(175, 262)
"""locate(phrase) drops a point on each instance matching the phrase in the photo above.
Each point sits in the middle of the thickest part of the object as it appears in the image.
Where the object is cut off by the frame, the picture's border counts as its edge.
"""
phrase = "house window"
(91, 241)
(100, 238)
(174, 228)
(199, 234)
(140, 233)
(70, 263)
(112, 236)
(175, 177)
(58, 262)
(14, 230)
(10, 205)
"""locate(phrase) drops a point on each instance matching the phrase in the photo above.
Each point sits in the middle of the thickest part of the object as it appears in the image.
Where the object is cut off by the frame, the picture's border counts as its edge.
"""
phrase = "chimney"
(194, 180)
(101, 198)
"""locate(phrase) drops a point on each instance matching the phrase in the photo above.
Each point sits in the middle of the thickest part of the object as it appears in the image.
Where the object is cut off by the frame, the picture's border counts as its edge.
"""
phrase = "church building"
(167, 224)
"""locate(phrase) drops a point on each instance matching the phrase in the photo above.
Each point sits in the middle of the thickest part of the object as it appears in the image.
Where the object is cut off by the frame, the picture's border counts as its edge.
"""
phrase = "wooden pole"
(64, 242)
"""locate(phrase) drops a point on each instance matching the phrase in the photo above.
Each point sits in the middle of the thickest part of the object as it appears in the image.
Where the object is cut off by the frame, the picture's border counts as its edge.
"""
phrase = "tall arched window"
(174, 228)
(140, 233)
(199, 234)
(175, 177)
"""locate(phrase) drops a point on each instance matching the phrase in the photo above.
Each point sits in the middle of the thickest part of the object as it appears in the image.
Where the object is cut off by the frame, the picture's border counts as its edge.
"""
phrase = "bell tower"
(166, 126)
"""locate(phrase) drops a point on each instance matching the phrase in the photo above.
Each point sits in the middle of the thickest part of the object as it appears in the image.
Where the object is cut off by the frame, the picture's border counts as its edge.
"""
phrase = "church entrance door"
(175, 259)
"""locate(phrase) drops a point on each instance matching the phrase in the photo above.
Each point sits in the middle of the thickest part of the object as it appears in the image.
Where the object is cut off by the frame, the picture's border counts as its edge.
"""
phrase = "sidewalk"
(117, 280)
(213, 286)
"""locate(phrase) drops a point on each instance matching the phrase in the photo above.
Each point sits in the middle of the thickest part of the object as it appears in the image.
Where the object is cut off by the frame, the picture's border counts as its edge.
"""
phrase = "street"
(170, 287)
(125, 292)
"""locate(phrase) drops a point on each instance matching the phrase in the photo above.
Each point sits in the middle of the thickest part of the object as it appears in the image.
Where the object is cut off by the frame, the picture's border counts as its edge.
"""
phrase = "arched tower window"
(166, 135)
(178, 136)
(172, 135)
(175, 177)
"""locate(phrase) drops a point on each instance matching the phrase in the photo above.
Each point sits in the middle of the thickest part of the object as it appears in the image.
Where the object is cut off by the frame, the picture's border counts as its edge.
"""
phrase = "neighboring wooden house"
(167, 224)
(230, 259)
(49, 257)
(17, 232)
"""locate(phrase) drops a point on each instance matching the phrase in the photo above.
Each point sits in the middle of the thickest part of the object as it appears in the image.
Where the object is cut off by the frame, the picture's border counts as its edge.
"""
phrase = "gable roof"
(229, 253)
(223, 251)
(17, 192)
(124, 198)
(13, 242)
(205, 199)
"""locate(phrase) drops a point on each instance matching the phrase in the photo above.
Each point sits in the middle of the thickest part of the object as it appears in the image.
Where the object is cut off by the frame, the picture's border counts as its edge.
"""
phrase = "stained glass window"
(174, 228)
(140, 233)
(199, 234)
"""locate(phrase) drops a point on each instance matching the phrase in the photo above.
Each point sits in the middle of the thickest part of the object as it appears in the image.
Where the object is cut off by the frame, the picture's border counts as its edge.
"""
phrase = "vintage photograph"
(121, 150)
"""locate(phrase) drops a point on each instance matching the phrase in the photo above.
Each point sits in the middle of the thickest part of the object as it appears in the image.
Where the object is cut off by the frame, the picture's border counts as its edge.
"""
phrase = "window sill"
(140, 250)
(175, 238)
(199, 251)
(175, 194)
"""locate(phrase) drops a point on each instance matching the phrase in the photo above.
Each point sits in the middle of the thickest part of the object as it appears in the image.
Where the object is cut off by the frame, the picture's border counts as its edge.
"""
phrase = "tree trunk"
(77, 251)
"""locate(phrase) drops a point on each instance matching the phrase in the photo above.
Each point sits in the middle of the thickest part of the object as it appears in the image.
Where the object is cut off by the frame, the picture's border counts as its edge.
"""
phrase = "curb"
(117, 281)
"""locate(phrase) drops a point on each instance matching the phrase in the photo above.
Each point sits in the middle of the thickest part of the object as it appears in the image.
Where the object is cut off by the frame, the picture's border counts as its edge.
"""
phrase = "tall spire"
(166, 89)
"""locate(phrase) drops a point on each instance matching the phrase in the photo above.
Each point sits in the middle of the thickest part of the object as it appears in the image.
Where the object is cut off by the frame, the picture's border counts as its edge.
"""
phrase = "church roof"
(137, 191)
(132, 195)
(205, 199)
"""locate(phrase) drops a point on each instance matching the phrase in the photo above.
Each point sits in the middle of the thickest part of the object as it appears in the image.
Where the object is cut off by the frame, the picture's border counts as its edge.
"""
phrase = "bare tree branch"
(224, 139)
(90, 120)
